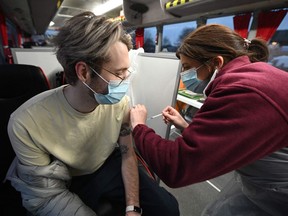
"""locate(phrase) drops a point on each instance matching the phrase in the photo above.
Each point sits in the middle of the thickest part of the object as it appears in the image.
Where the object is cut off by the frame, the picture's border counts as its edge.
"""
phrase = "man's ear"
(82, 71)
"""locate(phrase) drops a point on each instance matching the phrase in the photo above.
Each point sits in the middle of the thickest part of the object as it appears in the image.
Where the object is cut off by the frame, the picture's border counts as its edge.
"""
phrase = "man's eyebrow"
(122, 69)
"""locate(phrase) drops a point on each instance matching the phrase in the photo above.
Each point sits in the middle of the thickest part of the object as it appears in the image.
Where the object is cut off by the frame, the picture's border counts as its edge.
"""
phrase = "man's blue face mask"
(116, 90)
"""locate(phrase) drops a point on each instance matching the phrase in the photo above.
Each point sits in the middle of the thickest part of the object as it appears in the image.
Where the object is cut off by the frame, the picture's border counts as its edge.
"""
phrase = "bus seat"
(18, 83)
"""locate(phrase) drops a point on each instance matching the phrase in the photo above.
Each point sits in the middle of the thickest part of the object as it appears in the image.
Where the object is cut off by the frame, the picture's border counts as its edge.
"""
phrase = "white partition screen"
(155, 84)
(44, 58)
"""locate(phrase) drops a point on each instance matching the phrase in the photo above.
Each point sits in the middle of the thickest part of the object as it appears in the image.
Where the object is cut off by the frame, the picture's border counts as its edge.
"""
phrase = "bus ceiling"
(145, 13)
(34, 16)
(31, 16)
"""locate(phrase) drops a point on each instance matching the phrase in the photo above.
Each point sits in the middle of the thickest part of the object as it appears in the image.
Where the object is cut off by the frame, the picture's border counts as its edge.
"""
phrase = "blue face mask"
(189, 78)
(116, 91)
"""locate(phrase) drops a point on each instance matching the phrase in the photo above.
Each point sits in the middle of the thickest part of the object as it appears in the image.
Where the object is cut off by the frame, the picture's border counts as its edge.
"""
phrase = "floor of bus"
(193, 199)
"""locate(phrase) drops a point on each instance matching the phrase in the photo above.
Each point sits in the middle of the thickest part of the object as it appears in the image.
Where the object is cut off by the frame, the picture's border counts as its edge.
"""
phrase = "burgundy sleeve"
(227, 133)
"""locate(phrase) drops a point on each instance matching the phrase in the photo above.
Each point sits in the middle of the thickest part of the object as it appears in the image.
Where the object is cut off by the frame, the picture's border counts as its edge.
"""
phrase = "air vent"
(69, 11)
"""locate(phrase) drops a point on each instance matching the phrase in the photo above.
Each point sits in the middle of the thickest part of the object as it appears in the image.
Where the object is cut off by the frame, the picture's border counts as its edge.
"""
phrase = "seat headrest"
(17, 80)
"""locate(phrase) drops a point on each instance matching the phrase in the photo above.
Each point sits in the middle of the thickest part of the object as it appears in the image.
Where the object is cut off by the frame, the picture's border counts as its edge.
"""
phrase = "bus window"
(149, 39)
(173, 34)
(278, 46)
(226, 20)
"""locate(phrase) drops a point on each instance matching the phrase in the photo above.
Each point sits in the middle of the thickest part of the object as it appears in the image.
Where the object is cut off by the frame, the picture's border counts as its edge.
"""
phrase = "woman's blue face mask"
(189, 77)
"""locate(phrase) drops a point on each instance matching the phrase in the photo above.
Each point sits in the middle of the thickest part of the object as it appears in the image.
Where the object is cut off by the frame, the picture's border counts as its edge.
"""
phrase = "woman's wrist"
(185, 125)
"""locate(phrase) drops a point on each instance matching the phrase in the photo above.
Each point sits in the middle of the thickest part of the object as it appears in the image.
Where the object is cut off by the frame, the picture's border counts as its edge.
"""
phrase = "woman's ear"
(218, 61)
(82, 71)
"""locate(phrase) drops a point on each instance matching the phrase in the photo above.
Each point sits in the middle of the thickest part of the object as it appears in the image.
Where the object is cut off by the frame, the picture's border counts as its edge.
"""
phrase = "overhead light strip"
(107, 6)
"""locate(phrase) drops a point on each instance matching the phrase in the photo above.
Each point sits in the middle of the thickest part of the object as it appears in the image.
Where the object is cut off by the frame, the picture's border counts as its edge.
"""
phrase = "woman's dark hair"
(209, 41)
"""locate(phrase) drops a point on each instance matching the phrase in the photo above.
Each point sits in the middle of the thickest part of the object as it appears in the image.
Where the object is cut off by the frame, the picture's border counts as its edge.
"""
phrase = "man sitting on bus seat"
(73, 143)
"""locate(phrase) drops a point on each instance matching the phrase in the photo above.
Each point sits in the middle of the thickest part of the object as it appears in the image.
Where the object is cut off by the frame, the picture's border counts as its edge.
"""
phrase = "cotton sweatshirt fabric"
(47, 125)
(242, 125)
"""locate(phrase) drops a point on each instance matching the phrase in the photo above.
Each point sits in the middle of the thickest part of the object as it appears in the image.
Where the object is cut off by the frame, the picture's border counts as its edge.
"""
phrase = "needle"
(155, 116)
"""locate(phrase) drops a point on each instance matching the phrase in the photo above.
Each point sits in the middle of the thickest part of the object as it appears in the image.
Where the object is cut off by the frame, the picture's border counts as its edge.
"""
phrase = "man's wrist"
(132, 208)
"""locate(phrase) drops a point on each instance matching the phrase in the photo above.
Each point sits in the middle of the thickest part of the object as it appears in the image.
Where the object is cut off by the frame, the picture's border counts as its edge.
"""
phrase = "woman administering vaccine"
(241, 126)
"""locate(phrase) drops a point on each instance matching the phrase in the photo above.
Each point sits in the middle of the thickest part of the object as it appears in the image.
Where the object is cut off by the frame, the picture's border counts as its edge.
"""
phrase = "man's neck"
(79, 99)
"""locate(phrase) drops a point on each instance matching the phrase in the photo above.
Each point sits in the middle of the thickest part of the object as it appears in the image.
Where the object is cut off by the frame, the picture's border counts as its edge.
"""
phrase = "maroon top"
(244, 118)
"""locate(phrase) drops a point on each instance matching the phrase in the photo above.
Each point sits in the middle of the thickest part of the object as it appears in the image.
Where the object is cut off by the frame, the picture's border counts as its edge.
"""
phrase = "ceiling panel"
(70, 8)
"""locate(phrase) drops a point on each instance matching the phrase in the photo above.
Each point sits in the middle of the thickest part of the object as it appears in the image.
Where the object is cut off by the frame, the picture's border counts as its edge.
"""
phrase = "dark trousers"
(106, 186)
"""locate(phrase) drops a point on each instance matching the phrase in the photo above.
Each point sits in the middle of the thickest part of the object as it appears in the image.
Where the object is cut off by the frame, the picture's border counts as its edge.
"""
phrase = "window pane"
(227, 21)
(173, 34)
(149, 39)
(278, 46)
